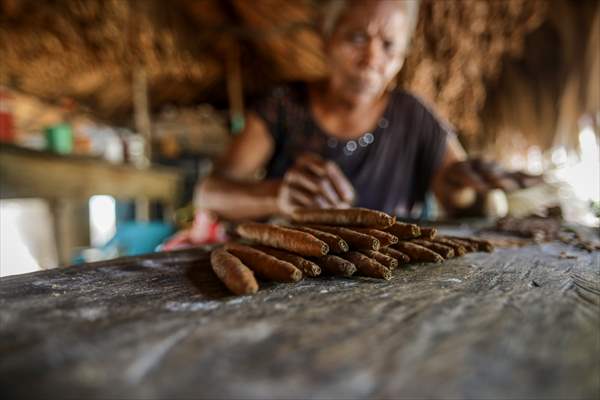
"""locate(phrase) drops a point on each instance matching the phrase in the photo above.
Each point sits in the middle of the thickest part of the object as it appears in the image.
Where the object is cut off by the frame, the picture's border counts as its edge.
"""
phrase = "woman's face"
(367, 48)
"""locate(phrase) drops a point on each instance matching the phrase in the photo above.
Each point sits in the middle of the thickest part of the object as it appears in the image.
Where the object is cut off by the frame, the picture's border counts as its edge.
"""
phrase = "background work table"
(515, 323)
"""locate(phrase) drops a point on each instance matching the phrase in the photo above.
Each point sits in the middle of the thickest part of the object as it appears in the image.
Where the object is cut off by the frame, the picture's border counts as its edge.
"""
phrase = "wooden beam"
(27, 173)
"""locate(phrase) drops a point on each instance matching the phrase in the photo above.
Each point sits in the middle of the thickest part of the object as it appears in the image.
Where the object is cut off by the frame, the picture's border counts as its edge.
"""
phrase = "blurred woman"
(351, 139)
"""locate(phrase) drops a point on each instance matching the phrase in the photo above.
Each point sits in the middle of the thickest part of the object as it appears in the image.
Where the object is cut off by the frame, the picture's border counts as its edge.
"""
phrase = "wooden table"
(518, 323)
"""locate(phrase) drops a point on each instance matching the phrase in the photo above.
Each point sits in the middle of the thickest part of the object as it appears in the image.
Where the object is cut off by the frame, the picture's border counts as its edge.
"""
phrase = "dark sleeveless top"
(390, 167)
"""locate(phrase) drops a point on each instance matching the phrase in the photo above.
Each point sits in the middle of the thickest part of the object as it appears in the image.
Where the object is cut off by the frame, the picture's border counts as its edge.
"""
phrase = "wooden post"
(141, 108)
(63, 211)
(234, 88)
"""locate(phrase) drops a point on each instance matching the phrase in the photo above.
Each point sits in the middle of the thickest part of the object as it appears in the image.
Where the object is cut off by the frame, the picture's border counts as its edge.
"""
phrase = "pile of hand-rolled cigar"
(339, 242)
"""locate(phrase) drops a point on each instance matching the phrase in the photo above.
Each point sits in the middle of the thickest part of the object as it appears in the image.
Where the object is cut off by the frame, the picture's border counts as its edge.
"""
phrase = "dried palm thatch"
(539, 99)
(87, 49)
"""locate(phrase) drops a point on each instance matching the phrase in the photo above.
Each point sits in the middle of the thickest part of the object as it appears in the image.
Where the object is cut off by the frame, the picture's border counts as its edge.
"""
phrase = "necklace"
(366, 139)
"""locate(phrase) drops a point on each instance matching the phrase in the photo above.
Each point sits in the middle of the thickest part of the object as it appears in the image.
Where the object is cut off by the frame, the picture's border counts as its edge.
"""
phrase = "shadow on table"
(206, 282)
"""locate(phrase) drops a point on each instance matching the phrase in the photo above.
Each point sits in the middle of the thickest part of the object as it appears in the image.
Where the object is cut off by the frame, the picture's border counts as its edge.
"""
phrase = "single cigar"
(385, 238)
(418, 253)
(336, 244)
(232, 272)
(459, 250)
(442, 250)
(266, 266)
(384, 259)
(481, 244)
(396, 254)
(279, 237)
(343, 217)
(356, 240)
(307, 267)
(404, 231)
(469, 247)
(367, 266)
(335, 265)
(427, 233)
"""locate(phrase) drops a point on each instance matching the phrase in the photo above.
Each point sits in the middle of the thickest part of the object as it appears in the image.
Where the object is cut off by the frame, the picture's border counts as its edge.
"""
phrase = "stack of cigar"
(339, 242)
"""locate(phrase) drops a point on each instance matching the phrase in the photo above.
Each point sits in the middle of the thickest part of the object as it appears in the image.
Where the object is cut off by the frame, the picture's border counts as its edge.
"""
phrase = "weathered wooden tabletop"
(518, 323)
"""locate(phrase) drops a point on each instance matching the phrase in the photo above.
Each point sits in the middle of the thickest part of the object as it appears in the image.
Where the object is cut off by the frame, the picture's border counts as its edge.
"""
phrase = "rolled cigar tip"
(427, 232)
(343, 245)
(404, 230)
(375, 244)
(387, 275)
(296, 275)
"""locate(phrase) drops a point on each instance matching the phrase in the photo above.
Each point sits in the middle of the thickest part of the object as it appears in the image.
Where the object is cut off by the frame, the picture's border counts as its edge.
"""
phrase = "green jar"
(59, 139)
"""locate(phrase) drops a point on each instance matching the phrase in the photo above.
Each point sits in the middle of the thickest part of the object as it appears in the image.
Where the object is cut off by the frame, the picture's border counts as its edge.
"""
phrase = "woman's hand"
(314, 182)
(466, 183)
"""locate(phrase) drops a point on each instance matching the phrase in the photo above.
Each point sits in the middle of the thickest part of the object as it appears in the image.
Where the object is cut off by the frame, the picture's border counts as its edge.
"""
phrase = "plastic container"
(59, 139)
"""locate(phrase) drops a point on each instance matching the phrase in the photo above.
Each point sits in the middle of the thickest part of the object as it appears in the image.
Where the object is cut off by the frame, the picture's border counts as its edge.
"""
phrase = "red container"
(7, 127)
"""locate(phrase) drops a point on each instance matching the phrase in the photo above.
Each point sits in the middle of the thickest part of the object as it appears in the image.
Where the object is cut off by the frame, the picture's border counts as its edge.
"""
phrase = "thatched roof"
(88, 49)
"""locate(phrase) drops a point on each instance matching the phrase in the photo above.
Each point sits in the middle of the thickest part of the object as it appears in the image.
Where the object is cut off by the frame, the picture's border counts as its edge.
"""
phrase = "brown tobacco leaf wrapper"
(469, 247)
(307, 267)
(343, 217)
(336, 244)
(481, 244)
(427, 233)
(459, 250)
(367, 266)
(266, 266)
(385, 238)
(418, 253)
(279, 237)
(442, 250)
(232, 272)
(396, 254)
(383, 259)
(334, 265)
(356, 240)
(404, 231)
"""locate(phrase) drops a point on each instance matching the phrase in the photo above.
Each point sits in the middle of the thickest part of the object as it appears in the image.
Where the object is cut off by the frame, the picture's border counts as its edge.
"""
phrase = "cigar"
(232, 272)
(442, 250)
(385, 238)
(307, 267)
(367, 266)
(334, 265)
(266, 266)
(469, 247)
(336, 244)
(481, 244)
(418, 253)
(343, 217)
(356, 240)
(427, 233)
(404, 231)
(383, 259)
(459, 250)
(279, 237)
(396, 254)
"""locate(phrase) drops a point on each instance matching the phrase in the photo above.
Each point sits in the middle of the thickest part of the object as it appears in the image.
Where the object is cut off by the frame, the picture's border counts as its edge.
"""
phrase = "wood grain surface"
(517, 323)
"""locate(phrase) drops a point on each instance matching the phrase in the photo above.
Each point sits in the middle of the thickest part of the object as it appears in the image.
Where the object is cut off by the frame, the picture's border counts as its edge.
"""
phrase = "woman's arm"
(232, 190)
(460, 182)
(453, 176)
